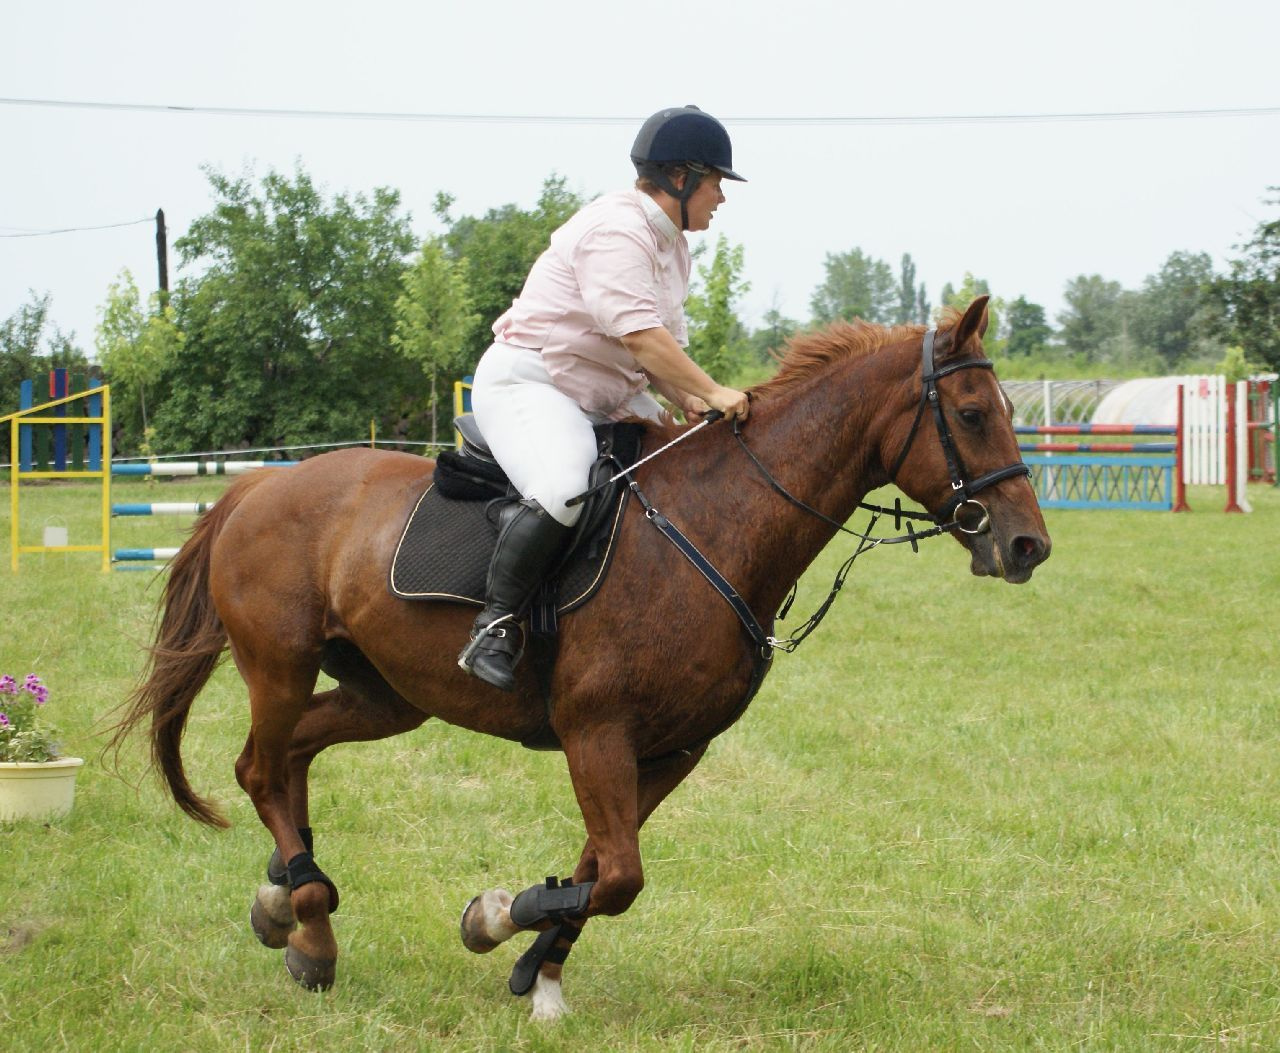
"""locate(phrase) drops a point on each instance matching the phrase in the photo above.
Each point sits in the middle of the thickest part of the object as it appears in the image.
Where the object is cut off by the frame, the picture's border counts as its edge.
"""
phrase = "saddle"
(445, 548)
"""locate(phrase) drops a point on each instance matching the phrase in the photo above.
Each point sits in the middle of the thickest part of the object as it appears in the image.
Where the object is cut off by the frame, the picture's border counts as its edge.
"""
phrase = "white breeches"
(542, 438)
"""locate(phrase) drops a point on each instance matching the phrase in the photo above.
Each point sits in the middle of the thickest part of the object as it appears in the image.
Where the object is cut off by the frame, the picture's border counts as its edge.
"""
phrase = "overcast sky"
(1027, 205)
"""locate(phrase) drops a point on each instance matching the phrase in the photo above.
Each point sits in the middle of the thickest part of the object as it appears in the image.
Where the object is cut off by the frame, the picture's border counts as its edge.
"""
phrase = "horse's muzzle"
(1013, 560)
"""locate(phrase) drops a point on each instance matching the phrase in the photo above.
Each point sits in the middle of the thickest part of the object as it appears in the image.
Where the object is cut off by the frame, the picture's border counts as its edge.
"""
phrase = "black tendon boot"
(528, 544)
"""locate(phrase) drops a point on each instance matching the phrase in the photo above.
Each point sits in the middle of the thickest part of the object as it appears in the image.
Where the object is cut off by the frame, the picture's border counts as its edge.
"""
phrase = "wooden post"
(1179, 457)
(1233, 479)
(76, 435)
(58, 390)
(24, 455)
(162, 256)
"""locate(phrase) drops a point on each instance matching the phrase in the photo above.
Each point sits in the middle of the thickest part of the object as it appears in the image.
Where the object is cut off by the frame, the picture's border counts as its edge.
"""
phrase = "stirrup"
(468, 655)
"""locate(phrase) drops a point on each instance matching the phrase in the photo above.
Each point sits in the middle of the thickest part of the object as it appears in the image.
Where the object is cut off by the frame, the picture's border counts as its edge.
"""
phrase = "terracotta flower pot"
(38, 790)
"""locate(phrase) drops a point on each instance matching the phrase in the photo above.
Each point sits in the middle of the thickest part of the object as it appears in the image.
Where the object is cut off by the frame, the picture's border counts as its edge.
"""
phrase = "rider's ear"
(974, 322)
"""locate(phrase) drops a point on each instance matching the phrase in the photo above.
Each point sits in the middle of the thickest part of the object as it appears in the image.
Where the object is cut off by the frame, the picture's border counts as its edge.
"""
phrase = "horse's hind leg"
(351, 712)
(278, 695)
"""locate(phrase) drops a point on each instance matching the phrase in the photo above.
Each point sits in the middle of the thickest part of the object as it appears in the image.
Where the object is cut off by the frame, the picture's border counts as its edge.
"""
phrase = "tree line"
(301, 319)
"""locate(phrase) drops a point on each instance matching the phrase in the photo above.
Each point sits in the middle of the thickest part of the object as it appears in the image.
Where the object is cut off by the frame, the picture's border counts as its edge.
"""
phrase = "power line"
(69, 230)
(569, 119)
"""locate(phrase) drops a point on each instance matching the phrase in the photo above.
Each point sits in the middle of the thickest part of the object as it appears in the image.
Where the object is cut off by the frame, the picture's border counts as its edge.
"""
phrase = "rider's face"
(705, 200)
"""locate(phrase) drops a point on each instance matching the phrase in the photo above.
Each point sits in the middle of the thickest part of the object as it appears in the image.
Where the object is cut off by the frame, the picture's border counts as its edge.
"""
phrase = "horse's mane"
(808, 353)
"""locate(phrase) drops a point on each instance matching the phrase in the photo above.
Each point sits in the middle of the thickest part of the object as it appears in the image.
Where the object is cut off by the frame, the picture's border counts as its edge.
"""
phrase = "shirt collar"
(658, 219)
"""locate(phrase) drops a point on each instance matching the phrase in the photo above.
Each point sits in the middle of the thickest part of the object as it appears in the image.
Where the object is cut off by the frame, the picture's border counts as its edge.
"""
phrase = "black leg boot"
(529, 542)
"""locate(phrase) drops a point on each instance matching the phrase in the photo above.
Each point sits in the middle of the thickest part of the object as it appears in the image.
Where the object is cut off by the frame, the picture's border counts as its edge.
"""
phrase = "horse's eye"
(971, 417)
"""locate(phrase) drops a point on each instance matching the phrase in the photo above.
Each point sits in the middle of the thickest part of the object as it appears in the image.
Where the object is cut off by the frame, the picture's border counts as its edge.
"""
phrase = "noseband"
(962, 491)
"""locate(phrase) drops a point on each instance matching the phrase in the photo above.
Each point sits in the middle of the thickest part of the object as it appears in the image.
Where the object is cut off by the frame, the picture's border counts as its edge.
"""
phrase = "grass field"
(965, 816)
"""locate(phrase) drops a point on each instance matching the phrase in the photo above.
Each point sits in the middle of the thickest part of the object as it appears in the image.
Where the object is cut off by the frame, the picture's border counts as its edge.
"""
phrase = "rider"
(600, 318)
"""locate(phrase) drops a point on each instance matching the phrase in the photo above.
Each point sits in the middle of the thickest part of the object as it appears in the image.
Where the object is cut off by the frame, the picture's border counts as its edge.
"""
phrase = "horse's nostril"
(1030, 550)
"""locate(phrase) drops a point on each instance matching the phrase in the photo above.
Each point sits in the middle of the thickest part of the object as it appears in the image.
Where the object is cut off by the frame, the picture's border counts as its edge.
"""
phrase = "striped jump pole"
(163, 508)
(1098, 447)
(197, 467)
(145, 558)
(1095, 429)
(137, 555)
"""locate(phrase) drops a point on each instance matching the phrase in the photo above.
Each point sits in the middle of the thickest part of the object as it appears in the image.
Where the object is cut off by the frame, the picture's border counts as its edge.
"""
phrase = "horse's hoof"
(548, 1001)
(272, 916)
(312, 974)
(474, 935)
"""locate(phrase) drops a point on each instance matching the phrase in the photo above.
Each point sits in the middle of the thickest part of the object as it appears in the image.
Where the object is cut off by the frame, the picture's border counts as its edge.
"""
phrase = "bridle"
(962, 492)
(949, 517)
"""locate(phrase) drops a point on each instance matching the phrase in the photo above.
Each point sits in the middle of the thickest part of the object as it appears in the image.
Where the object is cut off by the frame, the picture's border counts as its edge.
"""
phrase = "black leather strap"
(303, 870)
(543, 949)
(703, 565)
(277, 872)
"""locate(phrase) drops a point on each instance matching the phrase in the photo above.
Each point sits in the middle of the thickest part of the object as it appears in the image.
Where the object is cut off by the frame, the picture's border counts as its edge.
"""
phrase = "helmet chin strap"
(692, 180)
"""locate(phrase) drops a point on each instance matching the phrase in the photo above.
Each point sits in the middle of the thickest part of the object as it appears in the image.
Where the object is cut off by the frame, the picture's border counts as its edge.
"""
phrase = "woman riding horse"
(600, 319)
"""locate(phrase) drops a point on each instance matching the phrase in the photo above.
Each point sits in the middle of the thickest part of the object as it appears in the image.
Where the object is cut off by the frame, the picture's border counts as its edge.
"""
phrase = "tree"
(31, 345)
(1092, 321)
(856, 286)
(1235, 366)
(134, 349)
(923, 307)
(1028, 332)
(434, 320)
(970, 289)
(767, 342)
(912, 305)
(716, 336)
(288, 319)
(1177, 314)
(1251, 290)
(501, 247)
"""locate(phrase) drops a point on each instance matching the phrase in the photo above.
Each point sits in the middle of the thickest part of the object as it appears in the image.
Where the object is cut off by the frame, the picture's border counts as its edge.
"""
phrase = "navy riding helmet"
(683, 137)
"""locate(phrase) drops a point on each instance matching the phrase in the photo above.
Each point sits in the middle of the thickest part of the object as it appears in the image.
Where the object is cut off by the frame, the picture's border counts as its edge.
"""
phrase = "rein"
(897, 511)
(948, 518)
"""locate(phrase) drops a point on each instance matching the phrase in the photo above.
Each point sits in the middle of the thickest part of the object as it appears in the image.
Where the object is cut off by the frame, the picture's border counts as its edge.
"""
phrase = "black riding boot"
(528, 544)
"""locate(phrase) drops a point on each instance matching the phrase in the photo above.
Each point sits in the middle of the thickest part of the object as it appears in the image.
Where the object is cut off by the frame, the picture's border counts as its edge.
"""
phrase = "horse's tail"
(189, 643)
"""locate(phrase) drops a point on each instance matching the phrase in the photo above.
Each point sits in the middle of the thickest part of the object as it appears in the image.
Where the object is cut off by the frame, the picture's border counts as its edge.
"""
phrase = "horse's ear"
(974, 321)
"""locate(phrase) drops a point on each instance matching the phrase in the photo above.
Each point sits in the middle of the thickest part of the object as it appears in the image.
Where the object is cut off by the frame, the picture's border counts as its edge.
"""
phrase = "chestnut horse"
(289, 571)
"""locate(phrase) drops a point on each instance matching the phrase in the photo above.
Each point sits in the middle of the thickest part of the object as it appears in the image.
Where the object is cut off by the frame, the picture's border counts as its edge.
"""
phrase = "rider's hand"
(694, 408)
(729, 401)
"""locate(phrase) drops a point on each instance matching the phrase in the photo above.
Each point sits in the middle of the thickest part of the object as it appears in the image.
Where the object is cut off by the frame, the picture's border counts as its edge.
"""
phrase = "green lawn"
(963, 816)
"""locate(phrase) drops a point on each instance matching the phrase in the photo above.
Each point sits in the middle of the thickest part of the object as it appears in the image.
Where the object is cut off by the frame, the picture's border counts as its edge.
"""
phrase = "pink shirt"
(617, 267)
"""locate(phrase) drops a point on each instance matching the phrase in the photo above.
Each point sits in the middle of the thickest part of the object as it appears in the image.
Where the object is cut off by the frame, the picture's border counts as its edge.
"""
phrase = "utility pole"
(162, 255)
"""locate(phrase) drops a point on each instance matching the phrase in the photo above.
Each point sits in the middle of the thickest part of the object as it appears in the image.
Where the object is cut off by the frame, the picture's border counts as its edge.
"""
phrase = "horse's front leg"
(613, 814)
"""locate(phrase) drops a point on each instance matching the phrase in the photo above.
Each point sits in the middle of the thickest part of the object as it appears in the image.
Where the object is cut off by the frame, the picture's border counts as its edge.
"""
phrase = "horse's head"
(954, 451)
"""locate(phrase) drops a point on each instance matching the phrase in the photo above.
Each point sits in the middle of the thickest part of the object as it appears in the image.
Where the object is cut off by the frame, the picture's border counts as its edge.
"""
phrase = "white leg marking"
(548, 1001)
(275, 901)
(496, 905)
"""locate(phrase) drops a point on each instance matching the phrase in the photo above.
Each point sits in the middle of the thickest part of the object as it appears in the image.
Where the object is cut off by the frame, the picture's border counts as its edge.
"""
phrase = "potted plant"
(36, 780)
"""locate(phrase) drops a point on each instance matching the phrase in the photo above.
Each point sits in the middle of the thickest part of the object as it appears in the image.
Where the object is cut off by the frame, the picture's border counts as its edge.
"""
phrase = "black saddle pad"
(446, 546)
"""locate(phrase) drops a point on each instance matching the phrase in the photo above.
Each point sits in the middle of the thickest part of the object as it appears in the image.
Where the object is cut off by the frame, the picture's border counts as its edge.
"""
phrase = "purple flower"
(4, 721)
(8, 686)
(35, 688)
